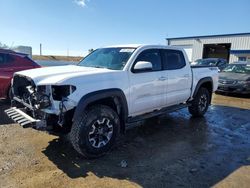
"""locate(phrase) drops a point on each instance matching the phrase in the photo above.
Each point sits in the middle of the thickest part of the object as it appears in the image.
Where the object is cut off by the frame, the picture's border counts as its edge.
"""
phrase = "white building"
(233, 47)
(24, 49)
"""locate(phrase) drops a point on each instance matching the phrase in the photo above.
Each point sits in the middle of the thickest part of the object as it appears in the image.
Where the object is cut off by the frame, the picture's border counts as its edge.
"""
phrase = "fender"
(102, 94)
(202, 81)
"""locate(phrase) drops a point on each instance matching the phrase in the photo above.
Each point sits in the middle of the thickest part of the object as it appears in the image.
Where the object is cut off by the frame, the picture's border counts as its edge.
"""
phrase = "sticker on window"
(128, 50)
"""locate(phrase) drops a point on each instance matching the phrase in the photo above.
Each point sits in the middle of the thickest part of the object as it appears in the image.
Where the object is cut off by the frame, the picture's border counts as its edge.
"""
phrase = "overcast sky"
(78, 25)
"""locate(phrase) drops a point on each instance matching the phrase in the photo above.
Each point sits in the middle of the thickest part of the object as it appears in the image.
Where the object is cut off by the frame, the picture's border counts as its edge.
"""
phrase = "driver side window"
(153, 56)
(2, 59)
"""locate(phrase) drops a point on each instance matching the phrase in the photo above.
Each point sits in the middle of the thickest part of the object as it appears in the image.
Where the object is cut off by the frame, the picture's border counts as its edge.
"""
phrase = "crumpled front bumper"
(20, 117)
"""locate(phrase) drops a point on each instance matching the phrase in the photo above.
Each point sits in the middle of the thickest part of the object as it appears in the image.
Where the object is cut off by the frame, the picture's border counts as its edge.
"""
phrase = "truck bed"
(201, 72)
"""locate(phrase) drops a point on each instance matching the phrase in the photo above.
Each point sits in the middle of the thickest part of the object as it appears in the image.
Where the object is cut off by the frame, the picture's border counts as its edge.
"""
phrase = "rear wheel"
(95, 132)
(200, 103)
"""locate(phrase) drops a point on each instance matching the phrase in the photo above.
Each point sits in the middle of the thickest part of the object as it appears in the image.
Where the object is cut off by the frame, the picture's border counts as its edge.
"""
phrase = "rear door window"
(9, 58)
(5, 59)
(173, 59)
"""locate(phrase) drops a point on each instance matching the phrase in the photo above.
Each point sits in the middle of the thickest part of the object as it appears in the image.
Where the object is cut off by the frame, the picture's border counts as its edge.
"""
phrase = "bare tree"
(3, 45)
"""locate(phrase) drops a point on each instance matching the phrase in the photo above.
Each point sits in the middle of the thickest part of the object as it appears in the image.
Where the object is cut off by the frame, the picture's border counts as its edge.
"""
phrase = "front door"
(146, 88)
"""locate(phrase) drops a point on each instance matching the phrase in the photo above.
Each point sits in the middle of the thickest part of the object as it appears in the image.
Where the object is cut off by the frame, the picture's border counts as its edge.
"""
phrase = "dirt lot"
(173, 151)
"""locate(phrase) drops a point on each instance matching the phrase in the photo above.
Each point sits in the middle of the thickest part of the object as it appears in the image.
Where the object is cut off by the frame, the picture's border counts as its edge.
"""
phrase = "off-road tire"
(198, 108)
(82, 126)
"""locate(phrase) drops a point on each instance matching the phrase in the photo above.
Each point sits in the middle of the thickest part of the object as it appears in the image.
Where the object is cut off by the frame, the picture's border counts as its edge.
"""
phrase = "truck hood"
(58, 74)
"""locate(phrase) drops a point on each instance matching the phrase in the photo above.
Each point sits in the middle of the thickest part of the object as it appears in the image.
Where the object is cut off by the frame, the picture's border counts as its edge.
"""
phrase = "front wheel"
(200, 103)
(95, 132)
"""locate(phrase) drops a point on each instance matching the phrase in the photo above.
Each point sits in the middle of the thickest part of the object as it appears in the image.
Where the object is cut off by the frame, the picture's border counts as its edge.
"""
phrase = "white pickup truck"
(110, 90)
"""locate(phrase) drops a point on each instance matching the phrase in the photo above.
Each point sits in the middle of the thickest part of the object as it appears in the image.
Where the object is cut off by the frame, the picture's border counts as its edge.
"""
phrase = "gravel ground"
(172, 151)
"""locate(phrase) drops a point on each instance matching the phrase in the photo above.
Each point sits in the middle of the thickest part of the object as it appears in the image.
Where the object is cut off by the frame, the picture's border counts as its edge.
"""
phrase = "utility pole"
(40, 48)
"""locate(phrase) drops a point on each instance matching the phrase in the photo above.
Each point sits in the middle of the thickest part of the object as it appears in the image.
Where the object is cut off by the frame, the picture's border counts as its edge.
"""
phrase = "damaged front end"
(41, 106)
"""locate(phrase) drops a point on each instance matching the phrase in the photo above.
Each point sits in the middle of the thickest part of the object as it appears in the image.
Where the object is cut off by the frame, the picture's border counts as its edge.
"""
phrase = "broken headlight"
(63, 91)
(42, 97)
(44, 101)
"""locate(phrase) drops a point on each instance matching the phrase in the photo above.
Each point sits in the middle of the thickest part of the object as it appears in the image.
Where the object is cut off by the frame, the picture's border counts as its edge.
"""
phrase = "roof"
(241, 63)
(3, 50)
(125, 46)
(143, 45)
(209, 36)
(7, 51)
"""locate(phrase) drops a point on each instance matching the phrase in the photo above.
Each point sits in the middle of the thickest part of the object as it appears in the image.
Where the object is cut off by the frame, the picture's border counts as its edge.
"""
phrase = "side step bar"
(157, 113)
(136, 121)
(20, 117)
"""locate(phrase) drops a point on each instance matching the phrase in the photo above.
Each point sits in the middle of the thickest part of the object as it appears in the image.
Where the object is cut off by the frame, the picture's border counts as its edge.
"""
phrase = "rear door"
(179, 77)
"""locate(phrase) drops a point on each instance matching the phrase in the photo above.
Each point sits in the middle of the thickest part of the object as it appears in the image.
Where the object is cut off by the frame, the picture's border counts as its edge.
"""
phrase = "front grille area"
(20, 84)
(227, 81)
(26, 92)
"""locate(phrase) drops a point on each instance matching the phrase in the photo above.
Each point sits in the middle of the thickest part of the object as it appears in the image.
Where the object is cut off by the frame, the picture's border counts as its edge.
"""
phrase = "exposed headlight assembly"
(62, 91)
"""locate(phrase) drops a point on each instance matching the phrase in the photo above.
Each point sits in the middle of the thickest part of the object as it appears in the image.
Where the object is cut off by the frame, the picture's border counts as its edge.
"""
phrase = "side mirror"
(143, 66)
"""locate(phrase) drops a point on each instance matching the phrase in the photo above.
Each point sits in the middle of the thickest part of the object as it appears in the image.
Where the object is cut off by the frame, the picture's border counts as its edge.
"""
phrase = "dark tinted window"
(153, 56)
(9, 58)
(2, 58)
(242, 58)
(5, 58)
(221, 63)
(173, 59)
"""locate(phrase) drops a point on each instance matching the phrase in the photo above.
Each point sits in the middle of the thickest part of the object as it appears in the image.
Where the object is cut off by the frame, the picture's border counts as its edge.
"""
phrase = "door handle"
(162, 78)
(186, 75)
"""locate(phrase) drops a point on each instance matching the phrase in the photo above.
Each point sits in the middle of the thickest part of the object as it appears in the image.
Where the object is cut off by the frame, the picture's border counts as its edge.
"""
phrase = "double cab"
(109, 91)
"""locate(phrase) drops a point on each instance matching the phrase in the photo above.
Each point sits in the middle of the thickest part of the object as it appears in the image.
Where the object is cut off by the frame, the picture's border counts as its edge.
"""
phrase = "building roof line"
(208, 36)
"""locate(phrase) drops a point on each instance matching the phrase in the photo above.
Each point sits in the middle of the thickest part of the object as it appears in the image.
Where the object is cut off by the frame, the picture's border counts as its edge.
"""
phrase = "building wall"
(237, 43)
(24, 49)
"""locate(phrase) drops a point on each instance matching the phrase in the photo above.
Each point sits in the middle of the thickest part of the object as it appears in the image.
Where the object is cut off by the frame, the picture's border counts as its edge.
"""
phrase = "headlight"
(242, 82)
(41, 96)
(60, 92)
(44, 101)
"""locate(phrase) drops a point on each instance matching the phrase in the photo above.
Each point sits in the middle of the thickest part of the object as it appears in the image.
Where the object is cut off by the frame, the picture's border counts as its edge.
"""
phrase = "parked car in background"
(218, 62)
(11, 62)
(235, 78)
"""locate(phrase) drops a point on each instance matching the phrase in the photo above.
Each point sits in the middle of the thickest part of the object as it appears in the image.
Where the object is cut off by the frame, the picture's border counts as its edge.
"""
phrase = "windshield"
(109, 58)
(205, 62)
(240, 68)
